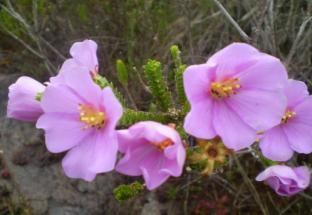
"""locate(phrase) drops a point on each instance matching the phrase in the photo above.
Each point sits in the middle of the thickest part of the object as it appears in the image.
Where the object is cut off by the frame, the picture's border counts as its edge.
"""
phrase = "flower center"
(212, 152)
(162, 145)
(288, 115)
(91, 117)
(225, 88)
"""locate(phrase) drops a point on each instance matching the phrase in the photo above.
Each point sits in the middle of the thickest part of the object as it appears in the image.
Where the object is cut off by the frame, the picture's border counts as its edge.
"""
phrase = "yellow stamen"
(288, 115)
(162, 145)
(91, 117)
(225, 88)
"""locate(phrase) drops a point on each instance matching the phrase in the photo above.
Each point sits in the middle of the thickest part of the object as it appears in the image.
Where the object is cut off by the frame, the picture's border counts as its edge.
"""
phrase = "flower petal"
(259, 109)
(85, 160)
(275, 146)
(62, 131)
(295, 91)
(134, 159)
(235, 133)
(22, 103)
(60, 99)
(84, 53)
(199, 121)
(152, 173)
(88, 91)
(112, 107)
(267, 73)
(233, 59)
(196, 80)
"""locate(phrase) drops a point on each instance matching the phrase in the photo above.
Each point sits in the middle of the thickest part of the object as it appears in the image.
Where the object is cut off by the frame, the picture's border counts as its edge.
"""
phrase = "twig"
(232, 21)
(299, 34)
(251, 186)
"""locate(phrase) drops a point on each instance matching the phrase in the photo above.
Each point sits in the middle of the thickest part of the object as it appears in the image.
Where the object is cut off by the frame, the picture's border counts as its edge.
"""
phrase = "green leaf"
(122, 72)
(158, 85)
(124, 192)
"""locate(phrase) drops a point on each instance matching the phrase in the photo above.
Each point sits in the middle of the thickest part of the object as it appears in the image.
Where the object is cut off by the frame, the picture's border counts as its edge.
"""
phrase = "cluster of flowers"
(240, 95)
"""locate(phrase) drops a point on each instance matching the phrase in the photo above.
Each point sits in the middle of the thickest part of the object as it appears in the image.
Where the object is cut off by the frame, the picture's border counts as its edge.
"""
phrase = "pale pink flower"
(294, 133)
(235, 94)
(81, 117)
(284, 180)
(22, 104)
(152, 150)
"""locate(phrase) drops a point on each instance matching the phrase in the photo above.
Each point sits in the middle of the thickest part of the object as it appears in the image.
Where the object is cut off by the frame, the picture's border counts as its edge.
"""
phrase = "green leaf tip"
(122, 72)
(39, 96)
(126, 191)
(158, 85)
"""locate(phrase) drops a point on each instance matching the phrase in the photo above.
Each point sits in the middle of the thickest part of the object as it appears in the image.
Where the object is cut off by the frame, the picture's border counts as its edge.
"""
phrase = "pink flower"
(152, 150)
(83, 59)
(284, 180)
(22, 102)
(294, 133)
(80, 117)
(235, 94)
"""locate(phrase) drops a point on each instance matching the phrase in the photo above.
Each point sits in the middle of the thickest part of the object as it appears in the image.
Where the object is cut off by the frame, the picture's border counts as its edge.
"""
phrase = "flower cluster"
(238, 97)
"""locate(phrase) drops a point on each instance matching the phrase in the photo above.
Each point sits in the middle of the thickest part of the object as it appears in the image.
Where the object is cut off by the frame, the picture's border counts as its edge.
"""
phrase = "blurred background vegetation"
(35, 37)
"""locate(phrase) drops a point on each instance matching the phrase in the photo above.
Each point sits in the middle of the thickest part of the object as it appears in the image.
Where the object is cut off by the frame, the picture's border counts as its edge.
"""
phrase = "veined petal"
(295, 91)
(134, 159)
(199, 121)
(83, 161)
(62, 131)
(60, 99)
(233, 59)
(84, 53)
(275, 146)
(258, 108)
(111, 106)
(196, 80)
(235, 133)
(267, 73)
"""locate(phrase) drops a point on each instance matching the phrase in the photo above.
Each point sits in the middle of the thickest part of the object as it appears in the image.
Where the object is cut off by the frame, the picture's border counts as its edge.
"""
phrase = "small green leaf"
(39, 96)
(126, 191)
(122, 72)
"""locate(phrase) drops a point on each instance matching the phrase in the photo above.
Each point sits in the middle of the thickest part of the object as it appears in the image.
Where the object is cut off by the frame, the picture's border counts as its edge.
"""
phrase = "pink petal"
(151, 171)
(235, 133)
(105, 151)
(62, 131)
(59, 99)
(88, 91)
(198, 122)
(268, 73)
(112, 107)
(296, 91)
(233, 59)
(280, 171)
(197, 79)
(85, 160)
(22, 103)
(275, 146)
(69, 66)
(258, 108)
(84, 53)
(303, 173)
(134, 159)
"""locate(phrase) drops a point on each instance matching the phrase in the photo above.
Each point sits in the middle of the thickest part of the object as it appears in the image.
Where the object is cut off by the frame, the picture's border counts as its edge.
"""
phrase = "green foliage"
(122, 72)
(131, 116)
(157, 84)
(172, 192)
(83, 12)
(124, 192)
(179, 70)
